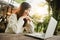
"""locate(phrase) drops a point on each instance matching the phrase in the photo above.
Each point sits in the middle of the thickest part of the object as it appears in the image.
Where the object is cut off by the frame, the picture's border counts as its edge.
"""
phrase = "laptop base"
(35, 37)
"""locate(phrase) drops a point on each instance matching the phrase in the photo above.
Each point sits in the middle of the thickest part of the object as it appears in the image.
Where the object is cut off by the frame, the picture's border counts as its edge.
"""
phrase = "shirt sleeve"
(32, 26)
(16, 26)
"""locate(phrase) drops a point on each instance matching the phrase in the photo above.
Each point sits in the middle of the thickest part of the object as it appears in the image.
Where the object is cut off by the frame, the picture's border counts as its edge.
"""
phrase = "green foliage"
(40, 27)
(20, 1)
(58, 26)
(36, 17)
(46, 22)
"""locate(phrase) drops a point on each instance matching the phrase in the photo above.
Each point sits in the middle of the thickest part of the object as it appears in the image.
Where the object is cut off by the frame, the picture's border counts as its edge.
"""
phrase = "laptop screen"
(51, 28)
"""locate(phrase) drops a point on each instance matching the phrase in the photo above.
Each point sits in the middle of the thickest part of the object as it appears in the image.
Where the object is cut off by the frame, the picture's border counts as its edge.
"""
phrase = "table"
(4, 36)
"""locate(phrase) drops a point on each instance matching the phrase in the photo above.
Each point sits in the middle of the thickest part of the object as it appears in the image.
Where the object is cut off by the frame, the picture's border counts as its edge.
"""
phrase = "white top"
(16, 26)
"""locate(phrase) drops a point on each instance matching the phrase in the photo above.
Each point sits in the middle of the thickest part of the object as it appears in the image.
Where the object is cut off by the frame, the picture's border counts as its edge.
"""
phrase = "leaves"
(20, 1)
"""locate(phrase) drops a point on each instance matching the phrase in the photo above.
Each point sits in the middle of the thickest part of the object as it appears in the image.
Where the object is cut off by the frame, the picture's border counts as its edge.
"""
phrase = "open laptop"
(49, 32)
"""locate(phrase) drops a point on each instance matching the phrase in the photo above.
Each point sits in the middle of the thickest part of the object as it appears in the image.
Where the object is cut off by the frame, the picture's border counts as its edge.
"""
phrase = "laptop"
(49, 32)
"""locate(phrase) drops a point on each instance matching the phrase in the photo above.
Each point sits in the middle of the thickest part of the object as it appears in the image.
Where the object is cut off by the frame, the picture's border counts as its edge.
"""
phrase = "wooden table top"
(4, 36)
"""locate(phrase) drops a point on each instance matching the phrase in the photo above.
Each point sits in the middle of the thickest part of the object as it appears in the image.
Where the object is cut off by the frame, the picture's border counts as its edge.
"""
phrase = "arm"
(15, 25)
(32, 26)
(29, 21)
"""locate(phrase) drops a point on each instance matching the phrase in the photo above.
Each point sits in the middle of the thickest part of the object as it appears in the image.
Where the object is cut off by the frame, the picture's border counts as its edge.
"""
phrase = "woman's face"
(26, 12)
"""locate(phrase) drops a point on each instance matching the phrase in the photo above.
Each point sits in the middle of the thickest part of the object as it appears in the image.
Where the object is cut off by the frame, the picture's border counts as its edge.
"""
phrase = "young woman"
(20, 21)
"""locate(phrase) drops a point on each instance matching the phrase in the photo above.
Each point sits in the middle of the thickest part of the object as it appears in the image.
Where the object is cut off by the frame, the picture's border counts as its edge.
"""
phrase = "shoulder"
(13, 15)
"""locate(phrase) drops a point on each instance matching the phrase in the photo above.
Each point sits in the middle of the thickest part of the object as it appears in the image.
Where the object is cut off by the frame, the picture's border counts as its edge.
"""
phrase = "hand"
(28, 18)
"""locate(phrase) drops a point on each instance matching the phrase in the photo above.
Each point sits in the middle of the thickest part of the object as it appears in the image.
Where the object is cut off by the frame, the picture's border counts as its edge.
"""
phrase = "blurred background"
(41, 11)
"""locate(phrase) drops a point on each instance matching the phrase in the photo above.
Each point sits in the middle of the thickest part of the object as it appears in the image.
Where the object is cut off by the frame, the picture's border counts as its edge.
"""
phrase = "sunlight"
(39, 6)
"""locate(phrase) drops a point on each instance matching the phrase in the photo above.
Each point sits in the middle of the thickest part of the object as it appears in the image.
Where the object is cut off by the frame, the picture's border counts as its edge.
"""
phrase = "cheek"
(27, 11)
